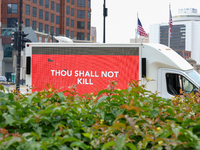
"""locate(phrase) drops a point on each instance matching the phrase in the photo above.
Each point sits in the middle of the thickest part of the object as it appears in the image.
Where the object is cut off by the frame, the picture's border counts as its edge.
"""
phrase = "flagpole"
(136, 36)
(169, 26)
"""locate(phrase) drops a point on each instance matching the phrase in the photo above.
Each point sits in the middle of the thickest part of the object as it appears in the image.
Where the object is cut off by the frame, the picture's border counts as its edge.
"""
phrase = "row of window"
(13, 8)
(12, 23)
(52, 8)
(80, 25)
(80, 13)
(80, 3)
(47, 4)
(40, 25)
(80, 35)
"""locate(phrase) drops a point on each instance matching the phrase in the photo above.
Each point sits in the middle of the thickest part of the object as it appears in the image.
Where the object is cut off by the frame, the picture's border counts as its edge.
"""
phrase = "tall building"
(69, 18)
(93, 34)
(185, 33)
(140, 39)
(48, 18)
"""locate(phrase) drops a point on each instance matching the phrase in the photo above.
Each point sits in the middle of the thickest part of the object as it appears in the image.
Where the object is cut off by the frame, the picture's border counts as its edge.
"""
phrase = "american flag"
(141, 31)
(170, 22)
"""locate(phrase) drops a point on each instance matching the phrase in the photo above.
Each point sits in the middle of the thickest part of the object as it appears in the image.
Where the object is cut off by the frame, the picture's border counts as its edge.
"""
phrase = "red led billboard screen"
(89, 72)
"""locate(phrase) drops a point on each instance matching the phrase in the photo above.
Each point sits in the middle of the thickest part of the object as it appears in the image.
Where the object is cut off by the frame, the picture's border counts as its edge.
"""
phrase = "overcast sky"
(121, 21)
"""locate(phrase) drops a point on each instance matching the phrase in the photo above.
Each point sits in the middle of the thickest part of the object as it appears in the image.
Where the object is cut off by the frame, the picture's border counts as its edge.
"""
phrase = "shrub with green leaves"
(127, 119)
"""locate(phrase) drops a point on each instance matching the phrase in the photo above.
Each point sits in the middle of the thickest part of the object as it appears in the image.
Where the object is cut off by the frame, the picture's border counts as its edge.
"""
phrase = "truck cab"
(169, 70)
(176, 80)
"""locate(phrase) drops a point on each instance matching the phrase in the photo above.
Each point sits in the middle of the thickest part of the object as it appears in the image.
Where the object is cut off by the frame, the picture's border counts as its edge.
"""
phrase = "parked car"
(3, 79)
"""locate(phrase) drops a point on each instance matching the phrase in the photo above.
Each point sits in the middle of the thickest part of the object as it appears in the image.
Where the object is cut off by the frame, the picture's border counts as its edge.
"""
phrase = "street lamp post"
(19, 48)
(104, 20)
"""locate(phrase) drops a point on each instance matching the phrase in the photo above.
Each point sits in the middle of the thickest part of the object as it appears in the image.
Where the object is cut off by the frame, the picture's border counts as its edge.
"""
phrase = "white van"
(92, 65)
(3, 79)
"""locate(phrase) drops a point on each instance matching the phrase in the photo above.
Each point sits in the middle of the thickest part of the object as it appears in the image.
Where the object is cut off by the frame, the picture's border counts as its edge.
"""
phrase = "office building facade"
(70, 18)
(185, 33)
(93, 34)
(48, 18)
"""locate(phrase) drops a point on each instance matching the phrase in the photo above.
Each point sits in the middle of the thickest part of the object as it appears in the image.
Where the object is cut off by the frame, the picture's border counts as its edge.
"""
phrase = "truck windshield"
(194, 75)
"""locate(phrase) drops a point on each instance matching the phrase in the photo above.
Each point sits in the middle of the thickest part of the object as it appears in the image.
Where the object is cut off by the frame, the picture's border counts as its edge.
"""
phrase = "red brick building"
(184, 54)
(70, 18)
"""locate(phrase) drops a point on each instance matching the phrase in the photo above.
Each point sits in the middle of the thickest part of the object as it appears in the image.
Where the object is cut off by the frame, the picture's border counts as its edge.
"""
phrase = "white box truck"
(91, 67)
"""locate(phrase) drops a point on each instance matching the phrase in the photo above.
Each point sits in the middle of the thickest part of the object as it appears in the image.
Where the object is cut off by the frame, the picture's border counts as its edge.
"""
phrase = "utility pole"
(19, 48)
(105, 13)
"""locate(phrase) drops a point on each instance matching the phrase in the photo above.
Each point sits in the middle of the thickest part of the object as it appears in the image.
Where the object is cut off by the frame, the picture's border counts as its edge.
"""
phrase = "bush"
(126, 119)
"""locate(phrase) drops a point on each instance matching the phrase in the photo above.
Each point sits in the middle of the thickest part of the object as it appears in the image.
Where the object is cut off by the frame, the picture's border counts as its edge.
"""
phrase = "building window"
(81, 3)
(57, 19)
(67, 10)
(89, 4)
(80, 25)
(52, 18)
(88, 15)
(40, 39)
(46, 40)
(12, 8)
(47, 16)
(52, 5)
(28, 9)
(72, 2)
(88, 36)
(8, 52)
(27, 22)
(11, 22)
(46, 3)
(34, 12)
(52, 30)
(88, 25)
(40, 27)
(57, 31)
(67, 21)
(72, 11)
(72, 23)
(80, 14)
(57, 7)
(68, 1)
(34, 25)
(41, 2)
(46, 30)
(41, 14)
(72, 34)
(80, 36)
(67, 33)
(34, 1)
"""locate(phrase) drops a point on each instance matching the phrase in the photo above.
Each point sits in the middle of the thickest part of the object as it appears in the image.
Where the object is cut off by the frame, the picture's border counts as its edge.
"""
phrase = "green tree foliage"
(127, 119)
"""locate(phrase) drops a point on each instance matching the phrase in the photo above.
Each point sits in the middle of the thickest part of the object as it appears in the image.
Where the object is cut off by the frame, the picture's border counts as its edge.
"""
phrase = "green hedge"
(128, 119)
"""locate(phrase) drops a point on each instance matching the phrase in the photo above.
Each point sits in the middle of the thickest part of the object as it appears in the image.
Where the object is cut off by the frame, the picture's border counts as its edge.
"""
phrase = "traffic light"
(105, 12)
(23, 39)
(15, 40)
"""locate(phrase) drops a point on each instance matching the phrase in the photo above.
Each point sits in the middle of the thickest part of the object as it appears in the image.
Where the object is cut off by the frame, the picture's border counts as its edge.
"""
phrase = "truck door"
(171, 81)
